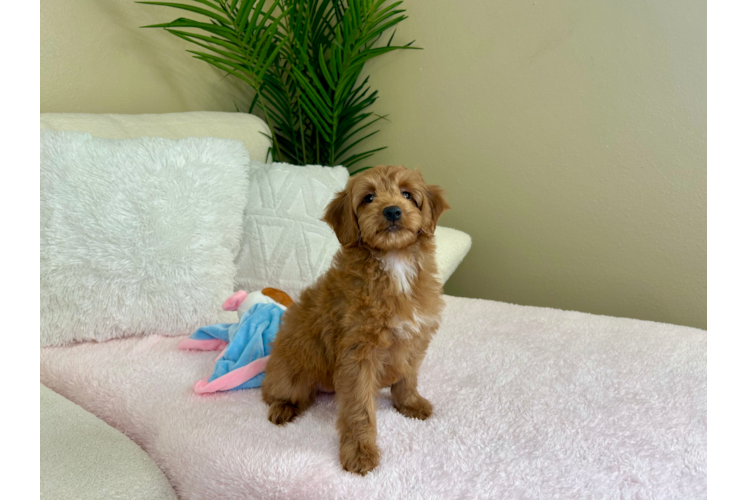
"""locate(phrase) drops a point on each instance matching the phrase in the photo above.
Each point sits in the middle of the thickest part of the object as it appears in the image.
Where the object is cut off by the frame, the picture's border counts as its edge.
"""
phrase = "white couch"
(529, 402)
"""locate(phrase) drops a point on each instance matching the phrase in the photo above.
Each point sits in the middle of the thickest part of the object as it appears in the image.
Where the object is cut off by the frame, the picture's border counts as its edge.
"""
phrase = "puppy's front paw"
(359, 457)
(419, 408)
(281, 413)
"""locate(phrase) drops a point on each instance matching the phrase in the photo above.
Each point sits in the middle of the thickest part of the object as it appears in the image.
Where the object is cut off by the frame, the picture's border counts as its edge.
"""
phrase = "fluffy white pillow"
(286, 245)
(138, 236)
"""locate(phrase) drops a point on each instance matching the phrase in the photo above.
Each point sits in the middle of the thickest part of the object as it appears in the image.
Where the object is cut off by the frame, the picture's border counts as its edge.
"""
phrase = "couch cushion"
(138, 236)
(243, 127)
(83, 458)
(452, 246)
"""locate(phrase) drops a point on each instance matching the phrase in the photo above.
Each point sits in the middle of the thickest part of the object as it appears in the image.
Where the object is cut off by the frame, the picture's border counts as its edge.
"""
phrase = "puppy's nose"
(392, 213)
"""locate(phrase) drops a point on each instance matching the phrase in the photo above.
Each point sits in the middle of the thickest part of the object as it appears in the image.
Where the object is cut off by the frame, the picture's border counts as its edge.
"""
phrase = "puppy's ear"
(339, 215)
(434, 206)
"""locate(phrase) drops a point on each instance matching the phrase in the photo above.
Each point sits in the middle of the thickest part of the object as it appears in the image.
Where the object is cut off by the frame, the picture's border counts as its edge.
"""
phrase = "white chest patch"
(401, 268)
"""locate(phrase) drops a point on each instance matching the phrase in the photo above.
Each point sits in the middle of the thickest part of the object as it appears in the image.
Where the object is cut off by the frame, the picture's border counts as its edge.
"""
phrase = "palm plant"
(304, 60)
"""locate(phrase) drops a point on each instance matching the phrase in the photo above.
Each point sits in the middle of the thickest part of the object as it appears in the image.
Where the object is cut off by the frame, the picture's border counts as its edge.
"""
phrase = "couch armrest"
(451, 247)
(82, 457)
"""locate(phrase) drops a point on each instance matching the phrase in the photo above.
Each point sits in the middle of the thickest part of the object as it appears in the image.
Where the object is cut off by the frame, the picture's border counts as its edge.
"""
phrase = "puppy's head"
(386, 208)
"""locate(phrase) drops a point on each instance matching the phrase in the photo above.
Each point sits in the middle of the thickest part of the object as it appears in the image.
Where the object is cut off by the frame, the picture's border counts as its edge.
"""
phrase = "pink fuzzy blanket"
(529, 403)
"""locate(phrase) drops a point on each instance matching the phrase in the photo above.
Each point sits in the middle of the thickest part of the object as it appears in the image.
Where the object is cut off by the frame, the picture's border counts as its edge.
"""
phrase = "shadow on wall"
(95, 58)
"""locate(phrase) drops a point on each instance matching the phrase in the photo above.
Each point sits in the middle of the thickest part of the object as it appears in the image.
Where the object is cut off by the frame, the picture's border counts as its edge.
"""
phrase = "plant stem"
(276, 146)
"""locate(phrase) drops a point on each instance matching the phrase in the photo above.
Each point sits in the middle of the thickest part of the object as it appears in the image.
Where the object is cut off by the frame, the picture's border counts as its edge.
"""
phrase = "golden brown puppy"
(367, 322)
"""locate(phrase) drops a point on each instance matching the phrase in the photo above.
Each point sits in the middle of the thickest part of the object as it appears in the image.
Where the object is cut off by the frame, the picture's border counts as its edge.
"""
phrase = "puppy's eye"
(368, 198)
(407, 195)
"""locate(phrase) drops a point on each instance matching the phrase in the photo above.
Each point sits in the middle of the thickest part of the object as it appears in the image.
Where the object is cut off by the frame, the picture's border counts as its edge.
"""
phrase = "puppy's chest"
(402, 273)
(408, 326)
(400, 270)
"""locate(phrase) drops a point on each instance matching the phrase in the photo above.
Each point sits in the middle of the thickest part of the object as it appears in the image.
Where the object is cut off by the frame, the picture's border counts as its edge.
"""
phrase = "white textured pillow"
(138, 236)
(286, 245)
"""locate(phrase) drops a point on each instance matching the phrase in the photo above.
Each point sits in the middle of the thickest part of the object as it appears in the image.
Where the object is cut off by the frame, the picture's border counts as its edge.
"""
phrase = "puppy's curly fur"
(367, 322)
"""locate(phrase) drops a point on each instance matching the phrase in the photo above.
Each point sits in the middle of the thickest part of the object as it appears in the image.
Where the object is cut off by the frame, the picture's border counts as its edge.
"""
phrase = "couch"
(529, 402)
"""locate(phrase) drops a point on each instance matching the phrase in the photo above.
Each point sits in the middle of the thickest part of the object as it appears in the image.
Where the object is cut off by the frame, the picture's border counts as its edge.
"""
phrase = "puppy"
(366, 323)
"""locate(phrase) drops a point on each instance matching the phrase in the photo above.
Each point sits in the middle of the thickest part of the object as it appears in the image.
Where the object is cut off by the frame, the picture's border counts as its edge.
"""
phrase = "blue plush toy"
(246, 345)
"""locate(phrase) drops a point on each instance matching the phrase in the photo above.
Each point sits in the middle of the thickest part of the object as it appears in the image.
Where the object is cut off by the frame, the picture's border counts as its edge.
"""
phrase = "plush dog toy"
(245, 345)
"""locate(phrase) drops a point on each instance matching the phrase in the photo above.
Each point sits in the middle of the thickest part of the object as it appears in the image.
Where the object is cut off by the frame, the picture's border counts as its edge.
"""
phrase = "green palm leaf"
(304, 59)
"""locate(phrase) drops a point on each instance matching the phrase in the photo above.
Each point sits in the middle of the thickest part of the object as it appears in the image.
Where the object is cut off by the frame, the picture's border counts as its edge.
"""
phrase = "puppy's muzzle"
(392, 213)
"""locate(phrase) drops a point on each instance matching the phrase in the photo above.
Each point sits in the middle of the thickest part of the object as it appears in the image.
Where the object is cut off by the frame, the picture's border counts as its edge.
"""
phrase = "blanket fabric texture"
(528, 403)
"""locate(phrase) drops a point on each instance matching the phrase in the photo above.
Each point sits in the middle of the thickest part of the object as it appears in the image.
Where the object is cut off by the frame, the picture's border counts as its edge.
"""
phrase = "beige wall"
(571, 136)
